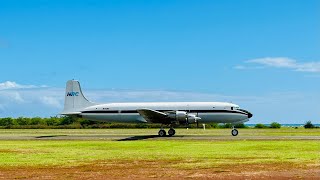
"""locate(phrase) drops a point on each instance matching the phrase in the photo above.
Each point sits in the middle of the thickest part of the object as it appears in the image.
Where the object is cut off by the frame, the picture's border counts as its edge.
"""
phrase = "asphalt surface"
(154, 137)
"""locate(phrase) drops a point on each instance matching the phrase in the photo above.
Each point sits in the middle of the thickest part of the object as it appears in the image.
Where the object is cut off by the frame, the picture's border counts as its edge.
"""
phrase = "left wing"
(153, 116)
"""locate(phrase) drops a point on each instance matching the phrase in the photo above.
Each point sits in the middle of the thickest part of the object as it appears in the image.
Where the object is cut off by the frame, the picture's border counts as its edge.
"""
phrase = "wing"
(153, 116)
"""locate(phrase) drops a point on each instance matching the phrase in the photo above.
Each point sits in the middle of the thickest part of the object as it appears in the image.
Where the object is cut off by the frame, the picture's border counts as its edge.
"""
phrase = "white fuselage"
(154, 112)
(218, 112)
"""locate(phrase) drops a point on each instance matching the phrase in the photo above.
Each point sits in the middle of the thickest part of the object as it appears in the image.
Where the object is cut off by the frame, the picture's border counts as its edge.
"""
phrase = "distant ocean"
(284, 125)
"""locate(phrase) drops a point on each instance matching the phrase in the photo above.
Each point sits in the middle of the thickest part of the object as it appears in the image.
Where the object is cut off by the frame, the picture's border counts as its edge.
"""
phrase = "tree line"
(69, 122)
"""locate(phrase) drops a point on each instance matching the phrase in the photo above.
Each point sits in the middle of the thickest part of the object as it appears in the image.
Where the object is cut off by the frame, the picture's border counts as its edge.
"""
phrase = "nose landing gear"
(234, 131)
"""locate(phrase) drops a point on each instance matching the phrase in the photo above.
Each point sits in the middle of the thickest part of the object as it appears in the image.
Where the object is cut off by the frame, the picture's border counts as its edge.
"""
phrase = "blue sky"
(263, 55)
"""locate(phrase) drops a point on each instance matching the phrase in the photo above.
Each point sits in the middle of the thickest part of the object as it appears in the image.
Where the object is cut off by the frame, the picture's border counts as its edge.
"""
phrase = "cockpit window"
(244, 111)
(235, 107)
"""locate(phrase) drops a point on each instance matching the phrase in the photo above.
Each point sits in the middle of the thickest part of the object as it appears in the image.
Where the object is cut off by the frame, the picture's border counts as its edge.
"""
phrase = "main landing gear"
(234, 131)
(171, 132)
(163, 133)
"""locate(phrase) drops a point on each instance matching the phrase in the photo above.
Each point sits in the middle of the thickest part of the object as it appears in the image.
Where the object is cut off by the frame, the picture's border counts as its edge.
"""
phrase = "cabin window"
(231, 108)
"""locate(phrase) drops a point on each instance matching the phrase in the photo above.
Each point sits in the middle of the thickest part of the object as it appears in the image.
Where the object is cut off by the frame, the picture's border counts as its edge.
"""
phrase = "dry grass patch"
(160, 169)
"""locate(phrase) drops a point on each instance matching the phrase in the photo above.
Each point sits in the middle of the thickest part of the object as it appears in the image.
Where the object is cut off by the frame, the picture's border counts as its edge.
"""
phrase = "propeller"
(187, 120)
(193, 118)
(197, 121)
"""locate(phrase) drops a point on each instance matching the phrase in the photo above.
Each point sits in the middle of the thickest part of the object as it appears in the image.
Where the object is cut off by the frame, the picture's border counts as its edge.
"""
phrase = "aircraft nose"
(249, 114)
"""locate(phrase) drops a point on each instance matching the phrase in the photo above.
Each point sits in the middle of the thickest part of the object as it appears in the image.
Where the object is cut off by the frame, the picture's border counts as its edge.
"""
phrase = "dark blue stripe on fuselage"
(190, 111)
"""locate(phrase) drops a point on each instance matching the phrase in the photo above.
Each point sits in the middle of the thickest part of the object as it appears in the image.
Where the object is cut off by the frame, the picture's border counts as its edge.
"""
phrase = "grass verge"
(185, 154)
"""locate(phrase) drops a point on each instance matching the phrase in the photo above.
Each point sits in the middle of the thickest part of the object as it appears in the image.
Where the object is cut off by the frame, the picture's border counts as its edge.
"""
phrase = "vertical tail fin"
(74, 99)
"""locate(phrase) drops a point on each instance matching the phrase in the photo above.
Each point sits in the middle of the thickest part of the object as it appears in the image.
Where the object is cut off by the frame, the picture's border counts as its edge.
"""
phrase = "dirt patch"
(17, 151)
(161, 169)
(7, 151)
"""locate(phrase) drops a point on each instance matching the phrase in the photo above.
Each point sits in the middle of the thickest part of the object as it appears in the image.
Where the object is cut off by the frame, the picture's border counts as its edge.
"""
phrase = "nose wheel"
(234, 132)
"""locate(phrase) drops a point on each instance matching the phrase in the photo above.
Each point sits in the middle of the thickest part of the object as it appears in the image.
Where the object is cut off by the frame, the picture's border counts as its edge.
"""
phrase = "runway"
(151, 134)
(155, 137)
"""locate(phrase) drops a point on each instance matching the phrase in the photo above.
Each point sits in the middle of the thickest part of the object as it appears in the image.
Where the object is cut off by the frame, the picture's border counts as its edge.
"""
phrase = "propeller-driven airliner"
(166, 113)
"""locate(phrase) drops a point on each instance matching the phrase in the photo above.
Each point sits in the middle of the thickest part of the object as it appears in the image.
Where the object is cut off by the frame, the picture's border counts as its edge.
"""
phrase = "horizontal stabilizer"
(70, 113)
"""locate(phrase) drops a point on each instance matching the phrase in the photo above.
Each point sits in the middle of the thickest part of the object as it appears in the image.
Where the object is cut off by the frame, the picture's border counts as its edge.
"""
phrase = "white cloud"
(16, 97)
(14, 85)
(51, 101)
(28, 100)
(309, 67)
(12, 96)
(242, 67)
(283, 62)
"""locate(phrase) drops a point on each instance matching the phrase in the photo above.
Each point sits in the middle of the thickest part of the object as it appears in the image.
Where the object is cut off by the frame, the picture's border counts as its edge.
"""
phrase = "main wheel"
(162, 133)
(171, 132)
(234, 132)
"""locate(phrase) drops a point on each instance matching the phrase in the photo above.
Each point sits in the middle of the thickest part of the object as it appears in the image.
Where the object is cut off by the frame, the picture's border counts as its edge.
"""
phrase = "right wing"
(153, 116)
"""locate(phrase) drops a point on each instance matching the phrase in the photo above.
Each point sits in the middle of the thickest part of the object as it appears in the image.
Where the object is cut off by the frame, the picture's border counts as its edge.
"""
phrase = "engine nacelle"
(192, 118)
(184, 118)
(180, 116)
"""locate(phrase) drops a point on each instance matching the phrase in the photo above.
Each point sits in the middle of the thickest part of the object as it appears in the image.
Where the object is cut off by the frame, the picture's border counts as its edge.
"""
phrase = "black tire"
(234, 132)
(171, 132)
(162, 133)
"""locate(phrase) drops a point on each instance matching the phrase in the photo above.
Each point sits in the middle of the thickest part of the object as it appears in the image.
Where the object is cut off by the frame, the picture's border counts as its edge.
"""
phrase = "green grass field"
(190, 153)
(176, 154)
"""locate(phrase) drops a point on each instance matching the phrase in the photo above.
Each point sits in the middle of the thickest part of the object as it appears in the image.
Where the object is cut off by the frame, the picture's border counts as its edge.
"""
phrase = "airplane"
(165, 113)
